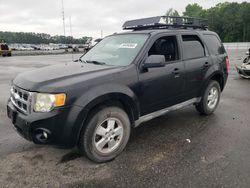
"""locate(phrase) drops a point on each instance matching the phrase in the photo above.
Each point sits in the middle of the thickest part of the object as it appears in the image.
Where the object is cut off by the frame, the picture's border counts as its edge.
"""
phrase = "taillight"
(227, 64)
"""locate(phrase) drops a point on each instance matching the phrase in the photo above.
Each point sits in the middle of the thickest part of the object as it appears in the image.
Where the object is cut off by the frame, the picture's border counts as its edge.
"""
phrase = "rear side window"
(192, 47)
(214, 45)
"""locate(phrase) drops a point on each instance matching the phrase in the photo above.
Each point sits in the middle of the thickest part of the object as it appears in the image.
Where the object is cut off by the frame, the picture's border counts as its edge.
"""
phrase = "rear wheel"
(106, 134)
(210, 98)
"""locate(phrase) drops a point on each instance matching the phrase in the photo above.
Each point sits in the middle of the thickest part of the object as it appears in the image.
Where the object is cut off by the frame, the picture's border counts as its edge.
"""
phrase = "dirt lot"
(158, 153)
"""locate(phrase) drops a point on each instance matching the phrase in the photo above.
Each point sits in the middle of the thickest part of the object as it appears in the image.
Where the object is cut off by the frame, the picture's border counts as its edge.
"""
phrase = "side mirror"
(154, 61)
(247, 53)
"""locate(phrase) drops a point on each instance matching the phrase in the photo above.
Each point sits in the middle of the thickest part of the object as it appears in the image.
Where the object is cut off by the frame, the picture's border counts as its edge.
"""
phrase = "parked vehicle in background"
(27, 47)
(164, 64)
(244, 68)
(5, 50)
(62, 46)
(35, 47)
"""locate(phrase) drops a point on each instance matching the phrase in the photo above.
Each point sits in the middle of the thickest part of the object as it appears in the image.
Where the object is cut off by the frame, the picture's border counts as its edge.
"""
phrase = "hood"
(55, 76)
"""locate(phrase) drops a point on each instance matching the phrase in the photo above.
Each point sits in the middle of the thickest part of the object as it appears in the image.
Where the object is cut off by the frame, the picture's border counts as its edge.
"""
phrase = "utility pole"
(71, 37)
(101, 33)
(70, 27)
(63, 18)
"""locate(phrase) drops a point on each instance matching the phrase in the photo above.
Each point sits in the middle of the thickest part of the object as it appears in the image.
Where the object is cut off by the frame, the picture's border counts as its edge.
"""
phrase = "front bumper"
(245, 73)
(62, 126)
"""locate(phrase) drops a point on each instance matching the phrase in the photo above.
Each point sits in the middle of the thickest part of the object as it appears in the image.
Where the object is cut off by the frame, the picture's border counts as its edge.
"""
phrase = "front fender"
(102, 93)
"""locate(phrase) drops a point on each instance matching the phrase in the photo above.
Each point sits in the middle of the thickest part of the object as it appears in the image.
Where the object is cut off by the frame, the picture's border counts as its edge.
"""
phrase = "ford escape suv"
(163, 64)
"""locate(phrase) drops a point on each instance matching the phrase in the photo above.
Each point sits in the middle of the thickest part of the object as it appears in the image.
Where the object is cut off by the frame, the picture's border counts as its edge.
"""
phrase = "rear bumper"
(62, 126)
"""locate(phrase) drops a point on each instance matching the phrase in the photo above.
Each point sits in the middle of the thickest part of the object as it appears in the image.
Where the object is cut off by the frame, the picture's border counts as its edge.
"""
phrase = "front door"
(163, 86)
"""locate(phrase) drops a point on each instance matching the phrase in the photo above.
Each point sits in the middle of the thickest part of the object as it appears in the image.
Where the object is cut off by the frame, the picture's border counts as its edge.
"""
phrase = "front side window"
(166, 46)
(117, 50)
(192, 47)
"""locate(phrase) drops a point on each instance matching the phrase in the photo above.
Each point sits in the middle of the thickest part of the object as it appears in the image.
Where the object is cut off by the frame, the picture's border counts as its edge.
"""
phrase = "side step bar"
(153, 115)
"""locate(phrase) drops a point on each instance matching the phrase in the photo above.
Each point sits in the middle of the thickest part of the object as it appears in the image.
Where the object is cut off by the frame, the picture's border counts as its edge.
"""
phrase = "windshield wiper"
(88, 61)
(81, 60)
(96, 62)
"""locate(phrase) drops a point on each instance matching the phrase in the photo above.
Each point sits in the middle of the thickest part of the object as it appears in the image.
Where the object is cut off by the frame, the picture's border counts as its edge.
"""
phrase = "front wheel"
(210, 98)
(106, 134)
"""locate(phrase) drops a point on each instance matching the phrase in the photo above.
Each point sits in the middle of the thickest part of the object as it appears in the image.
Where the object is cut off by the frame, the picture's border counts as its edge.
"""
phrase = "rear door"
(197, 62)
(216, 50)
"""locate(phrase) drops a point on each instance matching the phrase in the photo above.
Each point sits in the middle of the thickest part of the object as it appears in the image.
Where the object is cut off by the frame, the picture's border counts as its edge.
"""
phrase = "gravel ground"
(180, 149)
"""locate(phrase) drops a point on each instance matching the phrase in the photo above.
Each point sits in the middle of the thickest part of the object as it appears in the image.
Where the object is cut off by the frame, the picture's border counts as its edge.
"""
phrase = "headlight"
(46, 102)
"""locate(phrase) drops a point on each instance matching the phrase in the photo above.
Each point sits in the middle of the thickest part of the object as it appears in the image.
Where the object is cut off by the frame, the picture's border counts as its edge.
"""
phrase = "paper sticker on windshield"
(128, 45)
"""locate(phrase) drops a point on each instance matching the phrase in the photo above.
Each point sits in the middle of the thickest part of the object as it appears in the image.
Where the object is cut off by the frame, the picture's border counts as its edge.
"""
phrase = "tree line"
(230, 20)
(39, 38)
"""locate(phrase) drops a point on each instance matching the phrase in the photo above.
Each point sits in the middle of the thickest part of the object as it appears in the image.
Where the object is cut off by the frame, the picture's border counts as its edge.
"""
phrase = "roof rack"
(166, 22)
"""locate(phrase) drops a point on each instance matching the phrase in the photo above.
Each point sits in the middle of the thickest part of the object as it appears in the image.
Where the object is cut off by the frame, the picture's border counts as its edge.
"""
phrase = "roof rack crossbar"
(159, 22)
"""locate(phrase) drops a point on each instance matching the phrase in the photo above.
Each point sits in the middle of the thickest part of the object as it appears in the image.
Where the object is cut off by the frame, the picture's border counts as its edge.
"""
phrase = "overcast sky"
(88, 18)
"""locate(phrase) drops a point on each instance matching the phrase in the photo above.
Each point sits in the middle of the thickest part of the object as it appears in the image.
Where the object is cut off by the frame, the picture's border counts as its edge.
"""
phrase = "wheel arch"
(116, 99)
(107, 95)
(217, 76)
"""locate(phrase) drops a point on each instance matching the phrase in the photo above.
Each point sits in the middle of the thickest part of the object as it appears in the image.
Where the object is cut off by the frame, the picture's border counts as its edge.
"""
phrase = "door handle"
(176, 73)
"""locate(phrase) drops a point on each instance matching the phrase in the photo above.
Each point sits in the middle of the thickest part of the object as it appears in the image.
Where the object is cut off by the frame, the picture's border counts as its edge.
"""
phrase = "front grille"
(21, 99)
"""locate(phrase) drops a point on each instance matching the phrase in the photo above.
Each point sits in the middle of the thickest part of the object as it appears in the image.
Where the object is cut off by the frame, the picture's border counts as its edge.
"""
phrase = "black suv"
(126, 79)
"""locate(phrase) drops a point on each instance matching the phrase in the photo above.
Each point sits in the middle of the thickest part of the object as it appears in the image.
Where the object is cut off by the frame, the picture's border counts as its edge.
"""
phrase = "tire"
(100, 144)
(208, 106)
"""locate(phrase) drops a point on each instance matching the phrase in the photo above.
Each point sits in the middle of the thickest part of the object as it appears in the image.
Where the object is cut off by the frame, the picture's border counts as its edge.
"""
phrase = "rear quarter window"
(214, 45)
(193, 47)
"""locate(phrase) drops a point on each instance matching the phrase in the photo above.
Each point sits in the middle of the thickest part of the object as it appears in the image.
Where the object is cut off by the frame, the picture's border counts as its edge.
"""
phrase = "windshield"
(118, 50)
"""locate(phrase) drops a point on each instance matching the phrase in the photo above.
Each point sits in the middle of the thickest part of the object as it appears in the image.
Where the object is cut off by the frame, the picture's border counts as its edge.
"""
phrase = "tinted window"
(192, 47)
(166, 46)
(214, 45)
